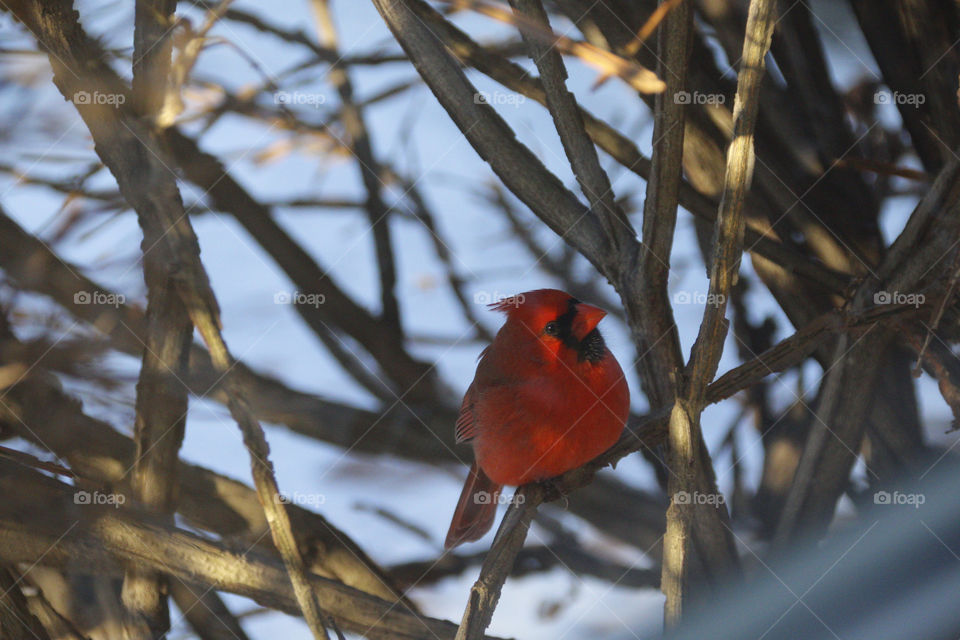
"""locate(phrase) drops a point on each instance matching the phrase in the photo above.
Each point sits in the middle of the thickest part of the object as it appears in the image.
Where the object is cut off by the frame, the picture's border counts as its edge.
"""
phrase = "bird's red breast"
(548, 396)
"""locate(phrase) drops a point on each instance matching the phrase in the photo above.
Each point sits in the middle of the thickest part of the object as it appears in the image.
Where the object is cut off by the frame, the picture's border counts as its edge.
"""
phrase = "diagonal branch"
(568, 119)
(208, 501)
(519, 169)
(499, 562)
(359, 144)
(61, 533)
(638, 77)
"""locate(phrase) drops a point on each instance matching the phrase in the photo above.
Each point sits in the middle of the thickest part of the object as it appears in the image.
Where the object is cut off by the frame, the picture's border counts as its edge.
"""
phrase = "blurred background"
(357, 404)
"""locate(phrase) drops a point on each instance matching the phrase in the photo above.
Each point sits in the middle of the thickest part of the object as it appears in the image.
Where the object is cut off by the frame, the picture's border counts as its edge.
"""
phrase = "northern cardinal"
(548, 396)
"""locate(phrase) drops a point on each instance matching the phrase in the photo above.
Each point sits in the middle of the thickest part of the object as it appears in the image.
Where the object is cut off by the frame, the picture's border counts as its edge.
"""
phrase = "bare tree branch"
(658, 340)
(499, 561)
(929, 237)
(132, 153)
(607, 63)
(206, 612)
(528, 561)
(17, 622)
(102, 538)
(692, 475)
(208, 501)
(359, 144)
(567, 118)
(161, 396)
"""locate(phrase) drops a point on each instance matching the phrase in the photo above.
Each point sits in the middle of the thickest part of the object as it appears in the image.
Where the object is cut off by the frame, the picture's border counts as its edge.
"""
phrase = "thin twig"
(360, 145)
(636, 76)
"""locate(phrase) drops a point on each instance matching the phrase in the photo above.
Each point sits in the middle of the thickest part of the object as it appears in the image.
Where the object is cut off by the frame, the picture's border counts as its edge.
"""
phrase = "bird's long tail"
(475, 510)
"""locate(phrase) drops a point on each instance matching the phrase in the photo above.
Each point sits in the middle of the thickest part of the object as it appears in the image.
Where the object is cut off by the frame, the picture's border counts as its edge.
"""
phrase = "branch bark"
(658, 340)
(134, 156)
(568, 120)
(208, 501)
(161, 404)
(17, 622)
(378, 214)
(929, 238)
(61, 533)
(687, 521)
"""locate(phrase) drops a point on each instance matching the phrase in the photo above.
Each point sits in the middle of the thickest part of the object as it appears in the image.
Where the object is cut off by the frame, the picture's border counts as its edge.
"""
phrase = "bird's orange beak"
(587, 319)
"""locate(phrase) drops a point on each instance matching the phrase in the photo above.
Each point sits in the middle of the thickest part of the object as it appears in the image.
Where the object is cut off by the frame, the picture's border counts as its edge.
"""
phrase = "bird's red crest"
(506, 305)
(536, 299)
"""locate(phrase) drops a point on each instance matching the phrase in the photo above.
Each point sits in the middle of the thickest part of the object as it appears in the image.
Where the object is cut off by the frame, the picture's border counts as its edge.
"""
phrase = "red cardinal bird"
(547, 397)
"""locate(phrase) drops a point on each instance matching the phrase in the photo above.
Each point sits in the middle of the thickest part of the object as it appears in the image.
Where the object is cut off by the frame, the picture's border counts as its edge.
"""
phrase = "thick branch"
(135, 158)
(208, 501)
(568, 120)
(46, 525)
(161, 405)
(692, 471)
(658, 339)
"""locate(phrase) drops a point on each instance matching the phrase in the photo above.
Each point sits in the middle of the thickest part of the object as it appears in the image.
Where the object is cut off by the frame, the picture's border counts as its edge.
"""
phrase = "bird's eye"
(551, 329)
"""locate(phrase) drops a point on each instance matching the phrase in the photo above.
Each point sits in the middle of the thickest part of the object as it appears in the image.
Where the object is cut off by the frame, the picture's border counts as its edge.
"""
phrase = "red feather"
(476, 509)
(466, 427)
(548, 396)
